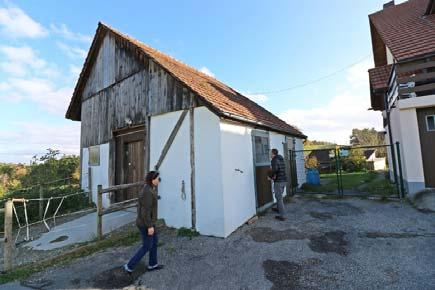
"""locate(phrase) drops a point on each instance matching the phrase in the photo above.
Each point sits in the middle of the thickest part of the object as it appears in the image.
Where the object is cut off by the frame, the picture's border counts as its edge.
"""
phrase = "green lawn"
(365, 181)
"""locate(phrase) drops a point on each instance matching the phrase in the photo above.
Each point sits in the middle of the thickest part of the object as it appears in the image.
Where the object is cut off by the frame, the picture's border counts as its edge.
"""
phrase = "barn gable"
(170, 84)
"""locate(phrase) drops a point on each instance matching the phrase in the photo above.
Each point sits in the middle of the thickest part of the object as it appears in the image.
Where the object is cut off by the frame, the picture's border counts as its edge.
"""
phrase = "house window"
(94, 155)
(261, 149)
(430, 122)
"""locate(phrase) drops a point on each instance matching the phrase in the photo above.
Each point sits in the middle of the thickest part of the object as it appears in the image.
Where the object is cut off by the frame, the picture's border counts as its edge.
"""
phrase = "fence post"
(41, 202)
(8, 236)
(399, 162)
(90, 184)
(100, 212)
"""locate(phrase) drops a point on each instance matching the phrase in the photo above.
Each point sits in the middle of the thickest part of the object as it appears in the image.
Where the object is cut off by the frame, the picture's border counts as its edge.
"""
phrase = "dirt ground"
(323, 244)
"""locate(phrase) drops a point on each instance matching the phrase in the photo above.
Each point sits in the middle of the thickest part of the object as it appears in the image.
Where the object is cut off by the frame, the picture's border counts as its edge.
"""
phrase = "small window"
(430, 122)
(261, 149)
(94, 155)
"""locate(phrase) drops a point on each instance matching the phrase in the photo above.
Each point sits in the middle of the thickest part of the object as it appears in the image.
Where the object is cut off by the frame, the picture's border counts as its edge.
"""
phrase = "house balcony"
(410, 82)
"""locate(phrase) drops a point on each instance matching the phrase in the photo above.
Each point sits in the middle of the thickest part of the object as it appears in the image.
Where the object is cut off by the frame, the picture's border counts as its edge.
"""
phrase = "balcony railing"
(415, 79)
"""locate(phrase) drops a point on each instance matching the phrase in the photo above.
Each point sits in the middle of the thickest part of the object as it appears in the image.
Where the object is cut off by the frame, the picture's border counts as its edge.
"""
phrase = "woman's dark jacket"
(147, 207)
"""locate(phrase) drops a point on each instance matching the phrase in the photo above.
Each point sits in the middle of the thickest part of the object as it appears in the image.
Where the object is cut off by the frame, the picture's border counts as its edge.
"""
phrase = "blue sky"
(256, 47)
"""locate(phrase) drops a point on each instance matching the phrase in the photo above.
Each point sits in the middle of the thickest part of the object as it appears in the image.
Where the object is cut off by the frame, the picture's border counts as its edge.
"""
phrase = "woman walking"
(146, 221)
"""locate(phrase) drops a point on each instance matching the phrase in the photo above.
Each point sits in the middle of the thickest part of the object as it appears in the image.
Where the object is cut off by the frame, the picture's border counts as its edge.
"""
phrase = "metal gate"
(350, 171)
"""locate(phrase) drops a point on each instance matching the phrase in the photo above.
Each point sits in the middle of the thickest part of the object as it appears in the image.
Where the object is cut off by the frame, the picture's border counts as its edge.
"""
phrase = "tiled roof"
(379, 76)
(405, 29)
(225, 101)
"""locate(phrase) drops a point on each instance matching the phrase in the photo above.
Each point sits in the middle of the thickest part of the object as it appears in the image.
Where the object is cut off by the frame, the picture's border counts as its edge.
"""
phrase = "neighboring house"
(132, 100)
(373, 162)
(402, 85)
(324, 159)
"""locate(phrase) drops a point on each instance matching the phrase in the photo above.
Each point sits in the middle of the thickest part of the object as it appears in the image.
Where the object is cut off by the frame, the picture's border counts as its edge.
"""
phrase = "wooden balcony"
(415, 79)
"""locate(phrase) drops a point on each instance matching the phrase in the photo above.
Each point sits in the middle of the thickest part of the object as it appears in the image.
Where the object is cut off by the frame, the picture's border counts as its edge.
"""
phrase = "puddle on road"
(59, 239)
(330, 242)
(321, 215)
(376, 235)
(268, 235)
(117, 278)
(290, 275)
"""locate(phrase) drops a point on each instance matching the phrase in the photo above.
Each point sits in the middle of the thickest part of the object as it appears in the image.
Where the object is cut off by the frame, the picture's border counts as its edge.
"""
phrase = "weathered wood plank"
(192, 165)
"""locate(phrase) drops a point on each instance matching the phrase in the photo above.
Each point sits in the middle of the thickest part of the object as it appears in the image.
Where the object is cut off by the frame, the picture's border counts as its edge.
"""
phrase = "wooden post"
(192, 165)
(8, 236)
(100, 212)
(90, 184)
(41, 202)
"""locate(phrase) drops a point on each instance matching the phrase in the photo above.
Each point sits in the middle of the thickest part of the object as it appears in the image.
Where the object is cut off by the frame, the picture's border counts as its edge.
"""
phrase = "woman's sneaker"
(155, 268)
(127, 269)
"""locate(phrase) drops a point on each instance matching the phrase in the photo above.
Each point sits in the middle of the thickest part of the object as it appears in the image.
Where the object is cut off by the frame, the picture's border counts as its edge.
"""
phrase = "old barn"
(141, 109)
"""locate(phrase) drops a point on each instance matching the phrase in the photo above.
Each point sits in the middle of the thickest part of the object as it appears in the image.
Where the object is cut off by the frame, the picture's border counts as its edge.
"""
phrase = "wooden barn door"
(426, 125)
(130, 161)
(263, 186)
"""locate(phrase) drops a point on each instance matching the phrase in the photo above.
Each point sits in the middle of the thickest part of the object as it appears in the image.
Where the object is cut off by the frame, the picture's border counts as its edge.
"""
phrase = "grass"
(364, 181)
(185, 232)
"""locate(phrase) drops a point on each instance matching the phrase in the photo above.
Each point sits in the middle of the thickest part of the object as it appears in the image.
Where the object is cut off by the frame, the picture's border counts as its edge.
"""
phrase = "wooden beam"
(416, 77)
(121, 187)
(171, 139)
(192, 165)
(414, 66)
(99, 212)
(7, 254)
(417, 88)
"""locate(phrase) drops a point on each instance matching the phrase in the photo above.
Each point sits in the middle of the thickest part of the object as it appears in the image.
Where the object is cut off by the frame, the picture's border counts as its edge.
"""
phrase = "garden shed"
(141, 109)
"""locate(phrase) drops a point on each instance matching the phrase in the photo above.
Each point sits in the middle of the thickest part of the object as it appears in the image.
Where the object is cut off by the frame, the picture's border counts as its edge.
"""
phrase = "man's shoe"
(275, 209)
(280, 218)
(155, 268)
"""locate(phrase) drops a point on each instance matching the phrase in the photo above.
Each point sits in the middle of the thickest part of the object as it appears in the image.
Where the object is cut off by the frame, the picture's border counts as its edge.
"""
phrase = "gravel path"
(323, 244)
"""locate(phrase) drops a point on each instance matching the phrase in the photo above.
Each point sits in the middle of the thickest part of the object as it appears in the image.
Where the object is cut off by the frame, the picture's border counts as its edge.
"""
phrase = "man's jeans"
(149, 243)
(278, 189)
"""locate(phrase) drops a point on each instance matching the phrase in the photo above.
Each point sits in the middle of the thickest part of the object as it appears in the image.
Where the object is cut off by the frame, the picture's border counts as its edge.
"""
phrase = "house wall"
(100, 173)
(208, 174)
(404, 128)
(238, 187)
(300, 161)
(174, 170)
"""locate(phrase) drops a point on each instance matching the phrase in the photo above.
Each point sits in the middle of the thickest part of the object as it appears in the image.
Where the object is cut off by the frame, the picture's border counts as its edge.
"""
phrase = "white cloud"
(40, 91)
(206, 71)
(63, 31)
(258, 98)
(72, 52)
(15, 23)
(35, 137)
(347, 110)
(18, 60)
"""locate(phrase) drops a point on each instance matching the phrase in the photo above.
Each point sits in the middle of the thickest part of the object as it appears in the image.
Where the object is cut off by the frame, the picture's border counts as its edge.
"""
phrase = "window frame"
(94, 156)
(427, 123)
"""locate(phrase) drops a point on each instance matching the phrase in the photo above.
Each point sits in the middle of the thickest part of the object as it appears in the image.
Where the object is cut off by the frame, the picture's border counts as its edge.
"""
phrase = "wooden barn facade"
(141, 109)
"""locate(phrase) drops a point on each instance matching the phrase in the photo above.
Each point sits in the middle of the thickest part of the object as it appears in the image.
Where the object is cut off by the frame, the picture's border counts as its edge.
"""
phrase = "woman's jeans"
(149, 243)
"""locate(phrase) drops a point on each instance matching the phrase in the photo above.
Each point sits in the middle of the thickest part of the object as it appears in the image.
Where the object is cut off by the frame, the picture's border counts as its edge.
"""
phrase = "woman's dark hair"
(275, 151)
(151, 176)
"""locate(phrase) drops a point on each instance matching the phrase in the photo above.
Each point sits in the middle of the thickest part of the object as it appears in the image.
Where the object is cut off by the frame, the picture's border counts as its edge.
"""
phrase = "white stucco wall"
(238, 187)
(100, 173)
(208, 174)
(175, 169)
(300, 162)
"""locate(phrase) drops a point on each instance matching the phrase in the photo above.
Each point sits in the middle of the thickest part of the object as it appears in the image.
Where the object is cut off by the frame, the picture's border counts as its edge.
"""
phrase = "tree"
(366, 137)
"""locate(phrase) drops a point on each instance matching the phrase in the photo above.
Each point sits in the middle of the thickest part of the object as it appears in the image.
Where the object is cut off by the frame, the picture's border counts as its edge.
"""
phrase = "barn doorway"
(130, 160)
(426, 125)
(263, 187)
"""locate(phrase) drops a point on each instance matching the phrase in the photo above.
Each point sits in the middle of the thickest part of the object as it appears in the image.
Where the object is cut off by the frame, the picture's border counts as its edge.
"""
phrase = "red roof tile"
(379, 76)
(225, 100)
(405, 29)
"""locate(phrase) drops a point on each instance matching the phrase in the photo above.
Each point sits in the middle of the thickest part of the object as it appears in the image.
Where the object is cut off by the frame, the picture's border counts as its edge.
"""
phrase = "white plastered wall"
(173, 207)
(100, 173)
(300, 161)
(238, 180)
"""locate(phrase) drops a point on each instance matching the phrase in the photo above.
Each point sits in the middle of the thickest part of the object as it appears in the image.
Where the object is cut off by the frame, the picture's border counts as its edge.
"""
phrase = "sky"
(257, 47)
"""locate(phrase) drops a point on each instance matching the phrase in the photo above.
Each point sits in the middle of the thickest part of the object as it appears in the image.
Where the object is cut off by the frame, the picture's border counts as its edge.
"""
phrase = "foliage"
(185, 232)
(314, 144)
(355, 161)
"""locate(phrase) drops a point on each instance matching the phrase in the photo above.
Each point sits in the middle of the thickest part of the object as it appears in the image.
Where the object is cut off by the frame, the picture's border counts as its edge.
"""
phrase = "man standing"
(279, 178)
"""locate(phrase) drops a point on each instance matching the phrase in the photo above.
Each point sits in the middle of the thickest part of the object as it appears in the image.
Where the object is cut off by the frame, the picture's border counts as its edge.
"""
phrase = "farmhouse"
(142, 110)
(402, 86)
